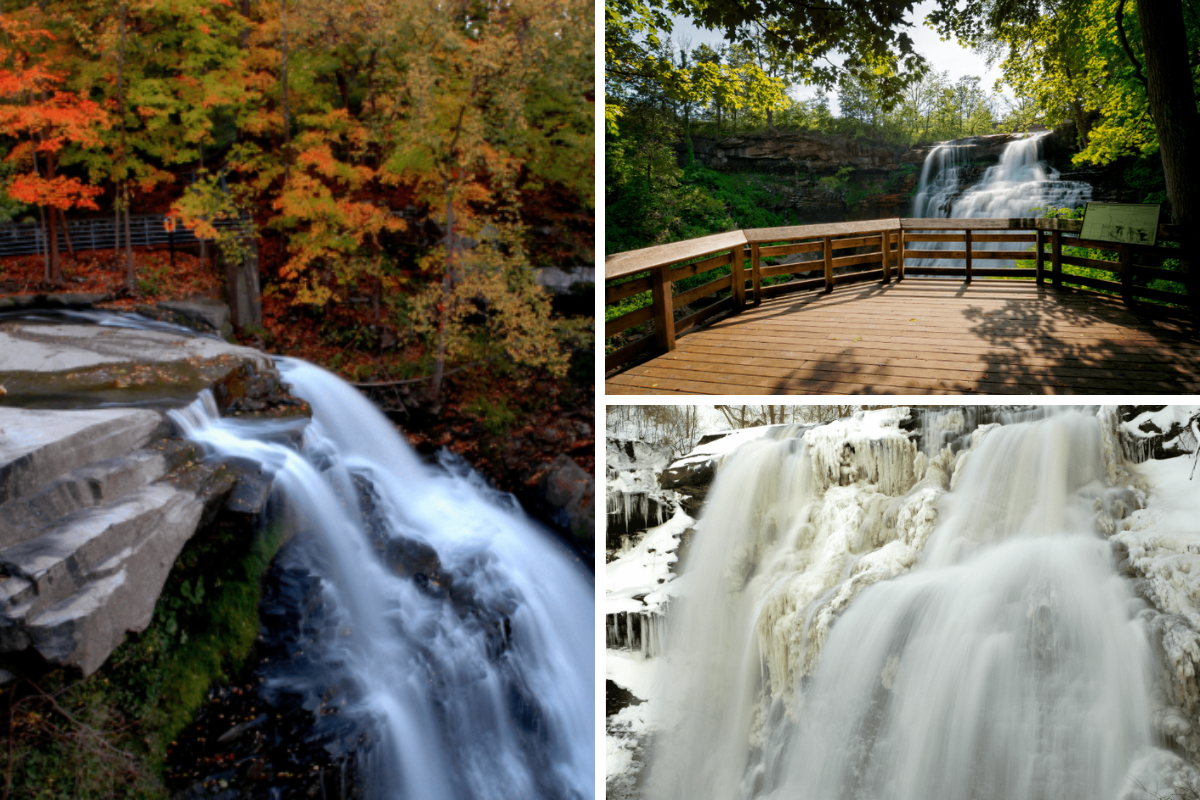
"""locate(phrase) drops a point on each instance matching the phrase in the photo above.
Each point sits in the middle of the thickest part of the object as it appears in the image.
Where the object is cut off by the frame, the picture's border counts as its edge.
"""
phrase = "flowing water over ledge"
(1015, 186)
(458, 635)
(869, 614)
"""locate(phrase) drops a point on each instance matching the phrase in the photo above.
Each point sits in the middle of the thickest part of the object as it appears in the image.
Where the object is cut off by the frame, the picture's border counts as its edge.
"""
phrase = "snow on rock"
(628, 731)
(633, 454)
(634, 501)
(1162, 545)
(715, 447)
(634, 582)
(1160, 431)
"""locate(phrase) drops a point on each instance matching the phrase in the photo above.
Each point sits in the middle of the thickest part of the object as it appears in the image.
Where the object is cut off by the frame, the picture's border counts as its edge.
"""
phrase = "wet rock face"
(411, 558)
(51, 365)
(278, 729)
(205, 316)
(247, 391)
(96, 504)
(571, 494)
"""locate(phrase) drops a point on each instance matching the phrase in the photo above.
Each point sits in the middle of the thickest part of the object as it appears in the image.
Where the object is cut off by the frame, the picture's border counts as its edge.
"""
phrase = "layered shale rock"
(96, 503)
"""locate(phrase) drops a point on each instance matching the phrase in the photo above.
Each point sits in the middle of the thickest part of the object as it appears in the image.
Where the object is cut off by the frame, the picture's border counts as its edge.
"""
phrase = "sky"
(943, 56)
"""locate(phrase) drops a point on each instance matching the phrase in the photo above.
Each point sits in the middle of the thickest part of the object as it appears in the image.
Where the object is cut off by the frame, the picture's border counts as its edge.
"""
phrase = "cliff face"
(791, 152)
(97, 503)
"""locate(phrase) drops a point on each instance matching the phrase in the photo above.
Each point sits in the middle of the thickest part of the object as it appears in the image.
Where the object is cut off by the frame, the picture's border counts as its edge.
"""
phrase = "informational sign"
(1128, 223)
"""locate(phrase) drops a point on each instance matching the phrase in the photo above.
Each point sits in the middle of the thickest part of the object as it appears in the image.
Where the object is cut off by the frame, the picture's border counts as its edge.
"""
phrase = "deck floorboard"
(930, 336)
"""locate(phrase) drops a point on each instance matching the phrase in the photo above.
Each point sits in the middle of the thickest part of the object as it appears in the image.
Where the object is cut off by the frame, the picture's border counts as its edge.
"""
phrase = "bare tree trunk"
(283, 77)
(244, 39)
(55, 267)
(62, 215)
(130, 282)
(1173, 106)
(439, 364)
(47, 275)
(128, 241)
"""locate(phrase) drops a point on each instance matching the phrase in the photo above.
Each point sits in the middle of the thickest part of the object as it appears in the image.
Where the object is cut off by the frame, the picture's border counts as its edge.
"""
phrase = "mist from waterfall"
(1019, 183)
(473, 676)
(853, 630)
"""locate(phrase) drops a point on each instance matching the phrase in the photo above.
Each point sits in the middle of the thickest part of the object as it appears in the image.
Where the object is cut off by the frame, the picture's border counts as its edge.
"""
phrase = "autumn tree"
(47, 123)
(461, 131)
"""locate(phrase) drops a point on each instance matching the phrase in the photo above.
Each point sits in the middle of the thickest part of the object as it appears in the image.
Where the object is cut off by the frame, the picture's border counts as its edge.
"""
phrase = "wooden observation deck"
(869, 325)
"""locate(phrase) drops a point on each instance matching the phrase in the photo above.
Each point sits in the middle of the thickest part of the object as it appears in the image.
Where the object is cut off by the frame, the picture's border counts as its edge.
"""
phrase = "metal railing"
(99, 233)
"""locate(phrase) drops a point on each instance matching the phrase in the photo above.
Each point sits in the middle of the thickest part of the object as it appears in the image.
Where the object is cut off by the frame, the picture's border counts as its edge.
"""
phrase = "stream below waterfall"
(866, 614)
(455, 637)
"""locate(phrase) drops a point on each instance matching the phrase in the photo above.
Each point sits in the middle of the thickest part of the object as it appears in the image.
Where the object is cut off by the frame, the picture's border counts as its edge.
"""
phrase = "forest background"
(402, 166)
(1082, 62)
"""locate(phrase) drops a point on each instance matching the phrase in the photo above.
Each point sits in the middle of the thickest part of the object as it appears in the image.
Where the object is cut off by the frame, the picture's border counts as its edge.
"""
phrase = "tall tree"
(47, 123)
(1169, 79)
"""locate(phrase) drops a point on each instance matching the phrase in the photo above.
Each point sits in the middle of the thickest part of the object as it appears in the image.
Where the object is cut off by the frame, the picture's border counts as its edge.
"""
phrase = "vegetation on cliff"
(108, 735)
(1119, 70)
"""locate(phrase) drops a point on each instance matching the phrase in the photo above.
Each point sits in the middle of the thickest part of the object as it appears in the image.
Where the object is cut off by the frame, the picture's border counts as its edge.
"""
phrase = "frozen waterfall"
(868, 619)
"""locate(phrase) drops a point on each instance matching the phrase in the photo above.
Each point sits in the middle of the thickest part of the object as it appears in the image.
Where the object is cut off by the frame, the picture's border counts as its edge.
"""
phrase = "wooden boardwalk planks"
(929, 336)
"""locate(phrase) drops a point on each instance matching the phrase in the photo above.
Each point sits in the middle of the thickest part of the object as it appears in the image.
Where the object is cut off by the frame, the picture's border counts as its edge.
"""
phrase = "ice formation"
(633, 499)
(870, 606)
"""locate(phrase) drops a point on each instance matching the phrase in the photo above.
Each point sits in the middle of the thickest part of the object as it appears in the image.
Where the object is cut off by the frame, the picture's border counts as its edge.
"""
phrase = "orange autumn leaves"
(43, 120)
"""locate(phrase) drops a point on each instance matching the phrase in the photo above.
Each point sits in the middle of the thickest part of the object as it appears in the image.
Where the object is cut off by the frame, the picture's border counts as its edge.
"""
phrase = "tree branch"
(1137, 65)
(421, 380)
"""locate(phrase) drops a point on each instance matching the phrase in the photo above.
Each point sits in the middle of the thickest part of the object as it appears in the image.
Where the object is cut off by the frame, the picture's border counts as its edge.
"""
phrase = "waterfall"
(461, 633)
(939, 180)
(1020, 182)
(964, 634)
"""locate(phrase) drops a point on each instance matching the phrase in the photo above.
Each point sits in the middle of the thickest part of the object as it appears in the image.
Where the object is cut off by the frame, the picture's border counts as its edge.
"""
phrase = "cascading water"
(849, 633)
(1020, 182)
(460, 634)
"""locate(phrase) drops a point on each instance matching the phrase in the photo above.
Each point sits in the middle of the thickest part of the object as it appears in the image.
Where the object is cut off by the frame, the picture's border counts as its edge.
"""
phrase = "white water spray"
(473, 681)
(1006, 663)
(1020, 182)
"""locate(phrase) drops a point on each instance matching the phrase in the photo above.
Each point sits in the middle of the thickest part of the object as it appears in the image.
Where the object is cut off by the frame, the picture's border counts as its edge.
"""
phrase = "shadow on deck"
(930, 336)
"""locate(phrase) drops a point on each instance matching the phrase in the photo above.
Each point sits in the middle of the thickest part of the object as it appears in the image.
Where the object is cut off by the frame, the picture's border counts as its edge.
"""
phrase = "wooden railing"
(669, 314)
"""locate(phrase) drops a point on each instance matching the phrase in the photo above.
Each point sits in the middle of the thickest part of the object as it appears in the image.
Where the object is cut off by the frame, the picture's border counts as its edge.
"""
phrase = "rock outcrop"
(91, 521)
(634, 500)
(97, 503)
(791, 151)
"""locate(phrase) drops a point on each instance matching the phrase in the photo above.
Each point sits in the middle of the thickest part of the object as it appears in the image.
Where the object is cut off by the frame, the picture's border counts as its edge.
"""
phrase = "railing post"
(1056, 258)
(900, 260)
(756, 273)
(1041, 256)
(885, 245)
(828, 264)
(968, 240)
(1126, 274)
(738, 269)
(664, 313)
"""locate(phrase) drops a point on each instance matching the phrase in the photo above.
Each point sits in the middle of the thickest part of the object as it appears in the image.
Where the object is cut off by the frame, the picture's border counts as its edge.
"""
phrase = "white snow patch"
(719, 448)
(645, 568)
